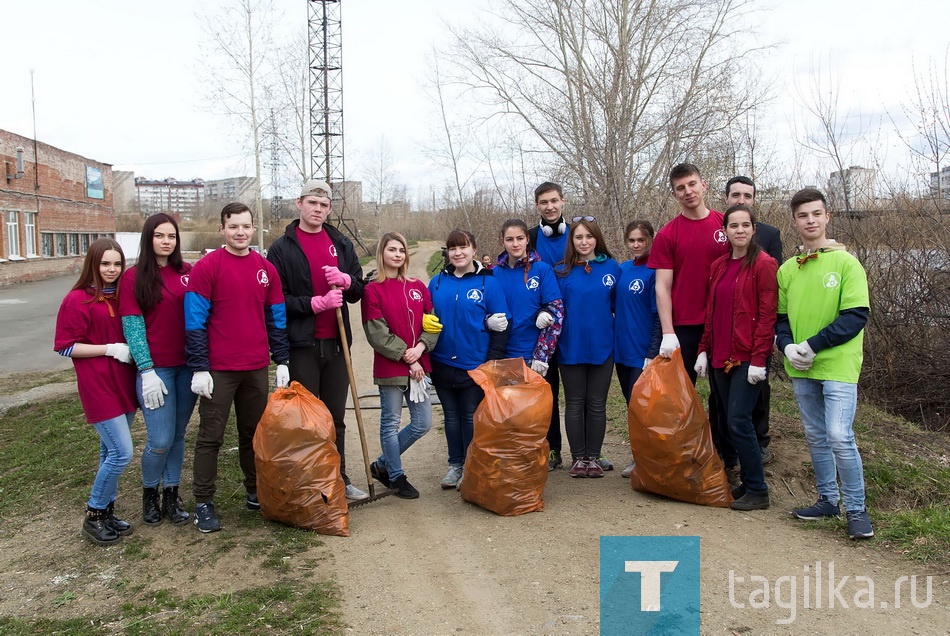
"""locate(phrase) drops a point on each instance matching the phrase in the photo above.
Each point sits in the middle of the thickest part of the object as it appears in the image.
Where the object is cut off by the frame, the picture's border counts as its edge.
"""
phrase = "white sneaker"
(626, 472)
(451, 478)
(355, 494)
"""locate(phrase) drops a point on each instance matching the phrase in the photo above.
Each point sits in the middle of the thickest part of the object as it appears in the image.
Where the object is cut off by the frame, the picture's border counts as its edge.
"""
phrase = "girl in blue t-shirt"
(637, 330)
(471, 306)
(533, 296)
(588, 279)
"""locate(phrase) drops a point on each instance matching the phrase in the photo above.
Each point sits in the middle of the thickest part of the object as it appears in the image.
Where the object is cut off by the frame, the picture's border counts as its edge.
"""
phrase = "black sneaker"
(252, 502)
(821, 509)
(554, 460)
(404, 489)
(205, 519)
(738, 491)
(380, 475)
(751, 501)
(859, 524)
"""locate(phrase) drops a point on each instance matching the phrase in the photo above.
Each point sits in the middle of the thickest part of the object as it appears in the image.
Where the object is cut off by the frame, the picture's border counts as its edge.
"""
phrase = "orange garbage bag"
(298, 466)
(671, 440)
(506, 467)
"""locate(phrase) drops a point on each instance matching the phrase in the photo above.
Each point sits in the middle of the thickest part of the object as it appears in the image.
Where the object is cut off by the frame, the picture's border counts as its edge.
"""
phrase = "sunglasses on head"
(589, 219)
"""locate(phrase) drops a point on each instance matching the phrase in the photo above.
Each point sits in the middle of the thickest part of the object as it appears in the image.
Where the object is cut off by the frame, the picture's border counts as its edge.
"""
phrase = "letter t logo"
(649, 581)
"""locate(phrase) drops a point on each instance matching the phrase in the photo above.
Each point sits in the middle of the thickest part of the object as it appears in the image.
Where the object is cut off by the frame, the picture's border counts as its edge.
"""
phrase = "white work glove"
(702, 365)
(798, 357)
(756, 374)
(419, 389)
(646, 362)
(809, 352)
(282, 376)
(544, 320)
(153, 390)
(202, 384)
(541, 368)
(497, 322)
(119, 351)
(669, 344)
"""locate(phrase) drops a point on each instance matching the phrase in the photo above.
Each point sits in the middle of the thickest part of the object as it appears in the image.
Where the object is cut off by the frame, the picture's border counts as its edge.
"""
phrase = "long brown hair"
(570, 254)
(90, 276)
(148, 277)
(380, 250)
(753, 251)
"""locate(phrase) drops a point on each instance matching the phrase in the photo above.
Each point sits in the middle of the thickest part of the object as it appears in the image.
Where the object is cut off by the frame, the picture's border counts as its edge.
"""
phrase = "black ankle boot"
(151, 506)
(172, 506)
(122, 528)
(96, 527)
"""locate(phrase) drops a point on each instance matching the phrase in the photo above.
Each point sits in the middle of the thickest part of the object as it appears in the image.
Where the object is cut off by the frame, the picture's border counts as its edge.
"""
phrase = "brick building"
(53, 204)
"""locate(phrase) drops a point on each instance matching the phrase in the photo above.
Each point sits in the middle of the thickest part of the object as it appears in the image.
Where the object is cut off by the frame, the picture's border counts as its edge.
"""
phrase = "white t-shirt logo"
(831, 280)
(474, 295)
(533, 283)
(332, 250)
(262, 277)
(720, 236)
(636, 286)
(184, 280)
(415, 295)
(608, 280)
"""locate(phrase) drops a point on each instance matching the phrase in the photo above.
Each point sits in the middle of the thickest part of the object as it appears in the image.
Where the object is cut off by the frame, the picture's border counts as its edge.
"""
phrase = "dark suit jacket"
(769, 238)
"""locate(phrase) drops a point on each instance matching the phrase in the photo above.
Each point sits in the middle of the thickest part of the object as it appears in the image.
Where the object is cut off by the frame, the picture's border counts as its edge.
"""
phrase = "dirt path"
(439, 565)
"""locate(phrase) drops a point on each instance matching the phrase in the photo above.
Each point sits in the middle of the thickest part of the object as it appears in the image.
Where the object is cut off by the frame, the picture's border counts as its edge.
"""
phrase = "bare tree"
(381, 177)
(291, 86)
(612, 92)
(236, 57)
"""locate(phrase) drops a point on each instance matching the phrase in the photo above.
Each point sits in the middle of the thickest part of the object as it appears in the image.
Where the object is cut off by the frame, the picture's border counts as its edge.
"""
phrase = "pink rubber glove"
(332, 300)
(336, 277)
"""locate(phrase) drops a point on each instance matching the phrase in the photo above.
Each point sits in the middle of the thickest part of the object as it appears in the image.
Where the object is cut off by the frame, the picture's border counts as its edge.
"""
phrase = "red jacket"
(754, 309)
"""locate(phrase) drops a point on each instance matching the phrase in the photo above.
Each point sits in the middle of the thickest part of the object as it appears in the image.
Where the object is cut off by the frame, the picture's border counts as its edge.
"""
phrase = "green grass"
(284, 608)
(432, 267)
(49, 453)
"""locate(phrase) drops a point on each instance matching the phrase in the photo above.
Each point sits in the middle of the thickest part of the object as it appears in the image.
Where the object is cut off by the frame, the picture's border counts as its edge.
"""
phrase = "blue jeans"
(827, 409)
(738, 399)
(115, 453)
(392, 440)
(164, 450)
(458, 408)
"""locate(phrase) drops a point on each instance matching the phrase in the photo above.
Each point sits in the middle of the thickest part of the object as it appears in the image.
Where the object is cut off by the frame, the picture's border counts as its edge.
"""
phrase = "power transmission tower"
(275, 201)
(326, 105)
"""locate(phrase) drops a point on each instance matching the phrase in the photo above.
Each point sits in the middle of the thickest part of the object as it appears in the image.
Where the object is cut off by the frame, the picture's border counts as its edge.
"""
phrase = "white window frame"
(29, 233)
(13, 235)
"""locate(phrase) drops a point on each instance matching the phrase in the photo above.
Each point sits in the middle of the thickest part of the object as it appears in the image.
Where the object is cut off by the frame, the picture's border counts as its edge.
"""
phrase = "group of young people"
(164, 334)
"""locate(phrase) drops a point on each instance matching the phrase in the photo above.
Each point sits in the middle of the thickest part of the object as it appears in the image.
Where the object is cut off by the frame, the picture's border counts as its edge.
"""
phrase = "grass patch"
(284, 608)
(432, 267)
(16, 382)
(42, 452)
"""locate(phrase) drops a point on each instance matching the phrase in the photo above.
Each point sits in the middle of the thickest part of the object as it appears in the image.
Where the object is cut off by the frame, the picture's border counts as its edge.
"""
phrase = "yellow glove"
(431, 324)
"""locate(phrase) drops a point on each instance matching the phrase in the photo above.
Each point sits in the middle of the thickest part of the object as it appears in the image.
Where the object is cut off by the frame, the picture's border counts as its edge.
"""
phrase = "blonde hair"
(381, 247)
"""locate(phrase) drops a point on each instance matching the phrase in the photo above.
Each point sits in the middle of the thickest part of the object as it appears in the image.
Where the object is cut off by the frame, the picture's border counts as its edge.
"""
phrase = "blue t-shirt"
(588, 333)
(634, 313)
(462, 304)
(526, 293)
(551, 248)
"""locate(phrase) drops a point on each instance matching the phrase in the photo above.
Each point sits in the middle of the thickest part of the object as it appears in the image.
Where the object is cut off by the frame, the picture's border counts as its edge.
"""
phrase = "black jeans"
(627, 376)
(585, 400)
(322, 370)
(760, 414)
(553, 378)
(689, 337)
(248, 390)
(738, 398)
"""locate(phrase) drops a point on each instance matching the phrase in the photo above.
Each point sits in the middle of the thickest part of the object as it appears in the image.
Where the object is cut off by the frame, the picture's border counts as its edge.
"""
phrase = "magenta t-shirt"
(238, 288)
(320, 251)
(688, 247)
(724, 297)
(106, 386)
(401, 303)
(165, 323)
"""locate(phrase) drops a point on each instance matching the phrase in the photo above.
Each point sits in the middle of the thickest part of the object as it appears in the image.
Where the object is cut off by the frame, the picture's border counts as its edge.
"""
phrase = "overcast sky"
(119, 81)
